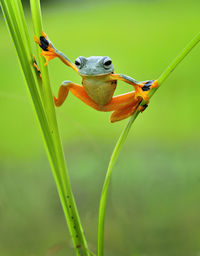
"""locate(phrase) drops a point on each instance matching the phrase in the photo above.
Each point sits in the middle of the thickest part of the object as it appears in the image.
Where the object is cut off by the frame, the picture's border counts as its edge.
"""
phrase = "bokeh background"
(154, 200)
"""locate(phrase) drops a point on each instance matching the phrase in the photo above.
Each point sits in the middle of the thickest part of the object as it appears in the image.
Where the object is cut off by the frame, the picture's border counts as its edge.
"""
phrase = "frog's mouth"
(94, 73)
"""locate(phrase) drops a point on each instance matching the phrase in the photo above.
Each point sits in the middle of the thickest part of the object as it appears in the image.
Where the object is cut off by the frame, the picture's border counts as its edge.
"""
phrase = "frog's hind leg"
(123, 113)
(123, 106)
(77, 90)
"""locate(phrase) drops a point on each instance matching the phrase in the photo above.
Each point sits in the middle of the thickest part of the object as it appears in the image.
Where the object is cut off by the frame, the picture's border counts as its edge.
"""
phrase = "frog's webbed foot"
(36, 66)
(48, 50)
(143, 107)
(142, 90)
(148, 85)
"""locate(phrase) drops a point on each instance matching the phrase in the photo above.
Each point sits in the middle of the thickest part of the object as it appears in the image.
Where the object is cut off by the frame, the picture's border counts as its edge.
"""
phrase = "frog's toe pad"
(36, 66)
(147, 85)
(44, 43)
(143, 107)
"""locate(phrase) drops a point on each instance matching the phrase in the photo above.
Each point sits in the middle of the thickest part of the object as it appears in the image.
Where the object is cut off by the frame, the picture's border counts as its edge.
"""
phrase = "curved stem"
(179, 58)
(122, 139)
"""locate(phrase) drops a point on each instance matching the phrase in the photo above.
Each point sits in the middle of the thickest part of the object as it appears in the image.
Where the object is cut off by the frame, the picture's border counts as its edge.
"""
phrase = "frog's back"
(99, 88)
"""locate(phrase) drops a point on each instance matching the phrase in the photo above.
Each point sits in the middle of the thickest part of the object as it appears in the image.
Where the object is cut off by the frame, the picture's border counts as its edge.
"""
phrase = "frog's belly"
(99, 90)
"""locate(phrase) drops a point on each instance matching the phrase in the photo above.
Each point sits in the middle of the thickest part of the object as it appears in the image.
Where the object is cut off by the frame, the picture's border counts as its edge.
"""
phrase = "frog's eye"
(78, 62)
(107, 63)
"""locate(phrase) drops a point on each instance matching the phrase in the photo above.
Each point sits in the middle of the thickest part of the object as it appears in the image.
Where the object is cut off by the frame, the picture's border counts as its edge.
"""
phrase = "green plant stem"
(41, 98)
(122, 139)
(67, 199)
(68, 203)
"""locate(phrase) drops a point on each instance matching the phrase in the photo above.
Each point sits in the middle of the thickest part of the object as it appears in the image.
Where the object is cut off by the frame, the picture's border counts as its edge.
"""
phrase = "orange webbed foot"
(148, 85)
(48, 56)
(143, 107)
(155, 84)
(36, 66)
(48, 50)
(145, 87)
(140, 94)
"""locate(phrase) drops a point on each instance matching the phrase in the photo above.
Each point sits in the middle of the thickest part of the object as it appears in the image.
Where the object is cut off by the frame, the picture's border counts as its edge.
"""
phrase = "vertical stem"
(121, 141)
(67, 198)
(45, 114)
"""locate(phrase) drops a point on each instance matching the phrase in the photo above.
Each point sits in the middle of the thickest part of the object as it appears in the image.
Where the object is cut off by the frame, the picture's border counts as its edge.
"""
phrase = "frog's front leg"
(141, 88)
(50, 52)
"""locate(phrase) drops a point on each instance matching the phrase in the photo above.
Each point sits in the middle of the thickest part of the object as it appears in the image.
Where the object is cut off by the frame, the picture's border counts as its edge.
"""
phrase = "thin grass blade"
(122, 139)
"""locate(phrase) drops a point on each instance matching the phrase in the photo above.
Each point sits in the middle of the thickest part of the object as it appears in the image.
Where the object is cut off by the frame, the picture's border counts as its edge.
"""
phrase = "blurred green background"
(153, 207)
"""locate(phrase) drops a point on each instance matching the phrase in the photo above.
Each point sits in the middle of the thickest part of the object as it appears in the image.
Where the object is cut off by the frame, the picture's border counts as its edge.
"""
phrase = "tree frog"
(98, 83)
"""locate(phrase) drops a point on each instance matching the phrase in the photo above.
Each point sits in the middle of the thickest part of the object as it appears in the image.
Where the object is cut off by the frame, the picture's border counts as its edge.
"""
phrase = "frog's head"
(94, 65)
